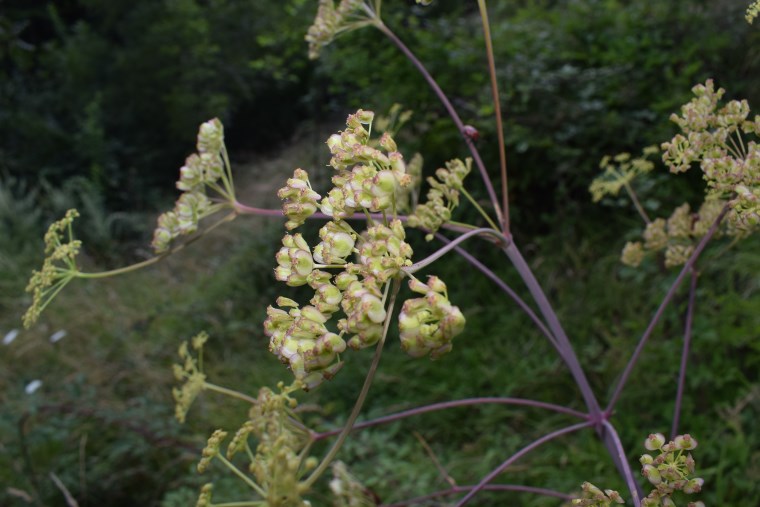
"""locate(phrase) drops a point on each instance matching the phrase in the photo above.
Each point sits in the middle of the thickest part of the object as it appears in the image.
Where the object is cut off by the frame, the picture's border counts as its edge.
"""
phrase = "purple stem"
(451, 245)
(684, 353)
(452, 112)
(633, 486)
(506, 288)
(568, 355)
(519, 454)
(489, 487)
(453, 404)
(658, 314)
(566, 350)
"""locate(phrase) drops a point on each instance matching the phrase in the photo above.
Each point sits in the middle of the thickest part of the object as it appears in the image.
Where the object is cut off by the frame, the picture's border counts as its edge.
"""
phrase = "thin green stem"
(362, 395)
(229, 392)
(235, 470)
(477, 207)
(497, 113)
(154, 260)
(227, 178)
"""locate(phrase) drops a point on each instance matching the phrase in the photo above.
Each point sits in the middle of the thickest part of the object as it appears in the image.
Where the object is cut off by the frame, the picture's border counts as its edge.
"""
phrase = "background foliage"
(99, 103)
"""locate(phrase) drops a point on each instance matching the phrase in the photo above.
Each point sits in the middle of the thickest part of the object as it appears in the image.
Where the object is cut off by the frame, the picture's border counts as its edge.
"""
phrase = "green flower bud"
(300, 201)
(295, 262)
(652, 474)
(211, 137)
(685, 442)
(693, 486)
(654, 441)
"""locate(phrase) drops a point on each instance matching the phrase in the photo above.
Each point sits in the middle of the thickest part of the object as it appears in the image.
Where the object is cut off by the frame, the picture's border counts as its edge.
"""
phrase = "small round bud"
(471, 132)
(654, 441)
(685, 442)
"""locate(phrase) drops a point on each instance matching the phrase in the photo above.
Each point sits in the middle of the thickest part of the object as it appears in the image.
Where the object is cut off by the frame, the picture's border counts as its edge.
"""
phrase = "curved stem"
(452, 113)
(658, 314)
(633, 487)
(446, 249)
(519, 454)
(566, 350)
(478, 207)
(489, 487)
(497, 112)
(229, 392)
(360, 399)
(466, 402)
(154, 260)
(507, 289)
(235, 470)
(684, 353)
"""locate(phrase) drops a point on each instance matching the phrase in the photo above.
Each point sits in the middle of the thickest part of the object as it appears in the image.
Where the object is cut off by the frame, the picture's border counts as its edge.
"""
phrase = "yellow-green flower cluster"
(190, 372)
(722, 140)
(58, 268)
(670, 471)
(677, 235)
(442, 197)
(204, 499)
(300, 201)
(429, 324)
(619, 171)
(595, 497)
(311, 338)
(279, 461)
(753, 11)
(331, 22)
(280, 458)
(208, 168)
(367, 178)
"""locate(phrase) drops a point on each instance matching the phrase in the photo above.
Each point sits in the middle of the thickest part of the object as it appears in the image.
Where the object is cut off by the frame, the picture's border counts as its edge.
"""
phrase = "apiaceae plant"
(364, 275)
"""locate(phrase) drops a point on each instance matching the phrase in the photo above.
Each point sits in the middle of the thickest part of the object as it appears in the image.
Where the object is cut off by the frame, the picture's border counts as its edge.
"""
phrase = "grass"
(102, 420)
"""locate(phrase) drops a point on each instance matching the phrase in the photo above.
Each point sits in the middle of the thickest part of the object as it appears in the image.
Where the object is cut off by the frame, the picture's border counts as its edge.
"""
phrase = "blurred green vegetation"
(99, 104)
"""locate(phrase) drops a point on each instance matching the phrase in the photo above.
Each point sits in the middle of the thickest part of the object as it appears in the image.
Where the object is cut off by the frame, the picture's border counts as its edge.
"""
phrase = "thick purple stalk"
(452, 113)
(633, 486)
(684, 353)
(568, 355)
(658, 314)
(566, 350)
(519, 454)
(489, 487)
(434, 407)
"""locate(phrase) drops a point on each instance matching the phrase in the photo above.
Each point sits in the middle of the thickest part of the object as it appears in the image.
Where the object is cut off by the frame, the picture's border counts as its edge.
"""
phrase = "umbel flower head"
(723, 142)
(58, 268)
(619, 171)
(190, 373)
(428, 325)
(671, 470)
(370, 177)
(331, 21)
(595, 497)
(677, 236)
(300, 339)
(300, 201)
(442, 197)
(208, 168)
(279, 460)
